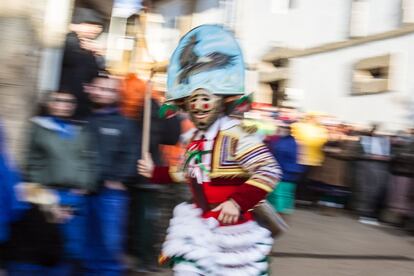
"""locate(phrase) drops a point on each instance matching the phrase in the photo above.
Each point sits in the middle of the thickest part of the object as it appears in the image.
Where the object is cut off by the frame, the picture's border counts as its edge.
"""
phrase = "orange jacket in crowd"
(132, 102)
(133, 95)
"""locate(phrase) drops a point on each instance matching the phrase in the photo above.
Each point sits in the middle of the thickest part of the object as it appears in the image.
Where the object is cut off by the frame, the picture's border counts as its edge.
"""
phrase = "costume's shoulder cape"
(232, 145)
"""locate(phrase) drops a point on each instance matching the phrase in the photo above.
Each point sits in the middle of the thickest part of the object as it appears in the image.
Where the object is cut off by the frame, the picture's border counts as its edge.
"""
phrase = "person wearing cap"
(285, 150)
(82, 57)
(228, 168)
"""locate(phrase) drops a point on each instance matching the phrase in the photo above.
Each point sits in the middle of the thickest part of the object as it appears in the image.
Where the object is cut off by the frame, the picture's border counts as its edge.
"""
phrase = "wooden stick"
(146, 129)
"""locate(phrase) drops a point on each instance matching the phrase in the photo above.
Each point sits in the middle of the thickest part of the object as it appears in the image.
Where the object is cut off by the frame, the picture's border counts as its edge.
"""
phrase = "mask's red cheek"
(206, 106)
(192, 106)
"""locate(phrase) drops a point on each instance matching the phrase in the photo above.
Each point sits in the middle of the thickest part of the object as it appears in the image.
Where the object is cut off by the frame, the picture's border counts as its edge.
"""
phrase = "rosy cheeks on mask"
(201, 106)
(204, 108)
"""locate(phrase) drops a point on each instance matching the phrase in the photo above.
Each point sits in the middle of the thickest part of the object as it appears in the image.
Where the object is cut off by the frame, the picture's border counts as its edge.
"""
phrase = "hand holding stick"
(145, 166)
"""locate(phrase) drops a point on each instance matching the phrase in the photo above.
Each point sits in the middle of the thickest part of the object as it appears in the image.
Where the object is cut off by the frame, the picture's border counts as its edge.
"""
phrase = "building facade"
(352, 60)
(347, 58)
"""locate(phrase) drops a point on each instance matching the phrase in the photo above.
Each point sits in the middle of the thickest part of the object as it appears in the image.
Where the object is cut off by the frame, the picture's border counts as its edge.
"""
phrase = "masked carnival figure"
(228, 168)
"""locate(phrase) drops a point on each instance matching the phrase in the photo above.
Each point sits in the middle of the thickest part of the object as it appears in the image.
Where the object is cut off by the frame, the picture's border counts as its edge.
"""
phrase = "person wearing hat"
(82, 57)
(285, 150)
(229, 170)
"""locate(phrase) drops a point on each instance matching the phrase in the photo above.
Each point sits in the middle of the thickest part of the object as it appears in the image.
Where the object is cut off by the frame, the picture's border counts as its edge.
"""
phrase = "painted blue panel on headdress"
(207, 57)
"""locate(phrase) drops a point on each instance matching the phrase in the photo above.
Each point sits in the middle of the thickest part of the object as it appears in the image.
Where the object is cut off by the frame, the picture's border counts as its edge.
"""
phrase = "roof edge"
(328, 47)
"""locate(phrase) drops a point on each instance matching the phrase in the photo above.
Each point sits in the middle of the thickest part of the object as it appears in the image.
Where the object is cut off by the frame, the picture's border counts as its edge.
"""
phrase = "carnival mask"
(204, 108)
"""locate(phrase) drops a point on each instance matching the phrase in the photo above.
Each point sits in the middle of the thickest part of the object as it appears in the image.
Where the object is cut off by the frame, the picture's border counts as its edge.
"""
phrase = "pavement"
(318, 245)
(341, 246)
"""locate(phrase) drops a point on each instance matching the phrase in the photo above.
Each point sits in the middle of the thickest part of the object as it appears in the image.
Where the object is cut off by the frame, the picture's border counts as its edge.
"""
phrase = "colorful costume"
(223, 162)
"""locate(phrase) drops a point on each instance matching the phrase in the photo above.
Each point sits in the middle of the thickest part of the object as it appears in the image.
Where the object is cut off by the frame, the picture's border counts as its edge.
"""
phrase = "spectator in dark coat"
(151, 203)
(35, 246)
(402, 182)
(163, 131)
(372, 175)
(117, 142)
(82, 57)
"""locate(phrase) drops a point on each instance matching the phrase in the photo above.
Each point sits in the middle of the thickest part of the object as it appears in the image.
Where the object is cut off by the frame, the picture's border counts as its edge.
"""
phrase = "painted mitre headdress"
(207, 57)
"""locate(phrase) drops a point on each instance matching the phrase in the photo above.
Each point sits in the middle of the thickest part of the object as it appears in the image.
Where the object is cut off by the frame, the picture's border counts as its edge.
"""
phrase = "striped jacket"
(225, 162)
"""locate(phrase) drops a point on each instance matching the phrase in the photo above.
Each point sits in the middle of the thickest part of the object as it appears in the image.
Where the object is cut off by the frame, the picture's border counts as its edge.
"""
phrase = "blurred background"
(341, 65)
(347, 58)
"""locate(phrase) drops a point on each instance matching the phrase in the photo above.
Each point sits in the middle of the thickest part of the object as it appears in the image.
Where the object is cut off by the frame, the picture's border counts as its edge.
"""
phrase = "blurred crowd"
(78, 184)
(78, 207)
(335, 165)
(77, 201)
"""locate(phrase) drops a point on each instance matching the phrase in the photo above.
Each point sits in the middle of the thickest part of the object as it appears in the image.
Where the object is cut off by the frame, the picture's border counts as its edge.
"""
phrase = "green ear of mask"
(167, 111)
(244, 99)
(237, 105)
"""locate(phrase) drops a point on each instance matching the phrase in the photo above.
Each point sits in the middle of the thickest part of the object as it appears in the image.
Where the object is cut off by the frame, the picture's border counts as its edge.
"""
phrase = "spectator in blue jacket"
(7, 181)
(11, 209)
(285, 150)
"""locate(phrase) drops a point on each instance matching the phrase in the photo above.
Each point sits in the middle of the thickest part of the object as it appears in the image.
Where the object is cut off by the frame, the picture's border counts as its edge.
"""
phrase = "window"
(278, 92)
(281, 63)
(408, 11)
(280, 6)
(371, 75)
(359, 18)
(275, 75)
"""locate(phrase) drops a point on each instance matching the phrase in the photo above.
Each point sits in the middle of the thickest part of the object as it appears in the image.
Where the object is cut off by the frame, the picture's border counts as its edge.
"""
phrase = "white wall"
(375, 16)
(325, 80)
(384, 15)
(306, 24)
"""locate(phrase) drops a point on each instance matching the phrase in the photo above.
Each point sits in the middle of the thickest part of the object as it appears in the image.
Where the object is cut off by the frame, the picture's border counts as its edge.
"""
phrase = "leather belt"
(199, 197)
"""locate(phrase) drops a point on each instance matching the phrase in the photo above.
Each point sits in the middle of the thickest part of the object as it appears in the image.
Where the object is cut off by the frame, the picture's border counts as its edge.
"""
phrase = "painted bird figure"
(192, 64)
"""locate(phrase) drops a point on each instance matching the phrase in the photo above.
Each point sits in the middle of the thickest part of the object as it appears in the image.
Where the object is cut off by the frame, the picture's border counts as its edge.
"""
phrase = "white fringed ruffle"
(214, 250)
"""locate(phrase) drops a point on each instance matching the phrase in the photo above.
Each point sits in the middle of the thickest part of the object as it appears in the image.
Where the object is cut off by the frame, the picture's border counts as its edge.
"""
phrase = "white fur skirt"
(198, 246)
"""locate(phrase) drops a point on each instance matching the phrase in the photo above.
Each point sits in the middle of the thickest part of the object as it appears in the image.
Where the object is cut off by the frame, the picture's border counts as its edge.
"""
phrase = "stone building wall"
(19, 58)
